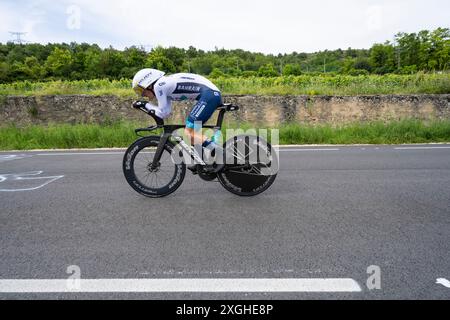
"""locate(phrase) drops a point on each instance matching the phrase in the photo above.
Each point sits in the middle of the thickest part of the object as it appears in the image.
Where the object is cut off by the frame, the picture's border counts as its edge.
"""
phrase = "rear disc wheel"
(254, 169)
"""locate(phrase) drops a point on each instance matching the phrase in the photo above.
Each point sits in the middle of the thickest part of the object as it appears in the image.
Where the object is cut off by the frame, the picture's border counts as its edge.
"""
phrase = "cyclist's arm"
(162, 91)
(163, 109)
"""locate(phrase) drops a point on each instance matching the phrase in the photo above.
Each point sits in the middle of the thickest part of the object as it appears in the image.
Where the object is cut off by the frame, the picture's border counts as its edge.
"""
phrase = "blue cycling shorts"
(208, 101)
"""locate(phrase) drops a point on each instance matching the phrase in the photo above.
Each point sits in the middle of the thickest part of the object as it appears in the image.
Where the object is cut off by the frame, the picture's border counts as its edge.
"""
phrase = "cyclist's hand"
(139, 104)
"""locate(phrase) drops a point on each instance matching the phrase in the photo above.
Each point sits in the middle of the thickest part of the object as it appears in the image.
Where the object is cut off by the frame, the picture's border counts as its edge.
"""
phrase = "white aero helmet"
(144, 78)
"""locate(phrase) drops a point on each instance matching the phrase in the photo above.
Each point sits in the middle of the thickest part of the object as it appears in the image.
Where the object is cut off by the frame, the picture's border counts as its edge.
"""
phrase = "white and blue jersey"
(186, 86)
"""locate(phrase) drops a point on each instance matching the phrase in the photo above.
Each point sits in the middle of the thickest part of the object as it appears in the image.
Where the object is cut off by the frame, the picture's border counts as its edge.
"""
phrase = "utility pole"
(397, 52)
(187, 58)
(307, 67)
(18, 36)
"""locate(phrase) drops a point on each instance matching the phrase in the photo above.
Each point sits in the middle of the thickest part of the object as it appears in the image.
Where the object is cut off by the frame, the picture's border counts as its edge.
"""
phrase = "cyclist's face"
(148, 93)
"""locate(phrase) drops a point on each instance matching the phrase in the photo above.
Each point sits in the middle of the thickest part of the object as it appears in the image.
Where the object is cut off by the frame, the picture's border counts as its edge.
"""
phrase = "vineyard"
(420, 83)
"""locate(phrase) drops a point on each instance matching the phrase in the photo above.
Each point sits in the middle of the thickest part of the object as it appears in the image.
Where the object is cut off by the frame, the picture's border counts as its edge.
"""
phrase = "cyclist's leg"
(200, 114)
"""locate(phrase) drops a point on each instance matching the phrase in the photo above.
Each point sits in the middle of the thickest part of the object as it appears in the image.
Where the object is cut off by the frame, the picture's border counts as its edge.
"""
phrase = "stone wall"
(269, 110)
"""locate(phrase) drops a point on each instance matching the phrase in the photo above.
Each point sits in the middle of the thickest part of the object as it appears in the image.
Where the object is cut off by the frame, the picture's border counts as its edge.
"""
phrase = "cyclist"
(152, 83)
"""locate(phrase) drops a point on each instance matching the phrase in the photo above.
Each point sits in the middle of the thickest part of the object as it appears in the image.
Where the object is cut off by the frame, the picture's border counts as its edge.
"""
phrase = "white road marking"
(444, 282)
(81, 154)
(420, 148)
(33, 175)
(275, 146)
(10, 157)
(88, 153)
(122, 153)
(179, 285)
(300, 150)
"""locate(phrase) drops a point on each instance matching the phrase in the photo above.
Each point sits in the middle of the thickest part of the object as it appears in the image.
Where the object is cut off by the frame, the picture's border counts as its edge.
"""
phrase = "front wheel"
(142, 177)
(253, 167)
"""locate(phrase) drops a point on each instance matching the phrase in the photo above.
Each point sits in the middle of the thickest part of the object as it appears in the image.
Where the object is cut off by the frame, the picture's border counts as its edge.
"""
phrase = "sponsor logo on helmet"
(145, 77)
(161, 84)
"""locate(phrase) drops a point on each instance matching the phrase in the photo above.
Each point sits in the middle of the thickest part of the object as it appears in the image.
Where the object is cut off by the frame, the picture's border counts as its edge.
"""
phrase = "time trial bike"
(155, 165)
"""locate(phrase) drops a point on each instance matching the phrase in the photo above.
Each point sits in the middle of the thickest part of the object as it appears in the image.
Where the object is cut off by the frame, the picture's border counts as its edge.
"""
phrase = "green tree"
(217, 73)
(4, 72)
(203, 64)
(135, 58)
(229, 64)
(33, 68)
(408, 46)
(425, 49)
(440, 48)
(347, 65)
(363, 63)
(382, 57)
(91, 62)
(110, 63)
(158, 60)
(292, 70)
(268, 70)
(412, 52)
(176, 56)
(59, 63)
(19, 71)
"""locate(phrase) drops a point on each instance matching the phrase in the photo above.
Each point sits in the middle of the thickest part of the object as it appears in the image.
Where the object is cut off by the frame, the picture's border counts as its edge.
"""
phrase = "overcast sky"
(275, 26)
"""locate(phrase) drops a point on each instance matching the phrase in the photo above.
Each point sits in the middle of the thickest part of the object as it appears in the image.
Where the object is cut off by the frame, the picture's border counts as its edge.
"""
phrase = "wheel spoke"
(152, 180)
(146, 178)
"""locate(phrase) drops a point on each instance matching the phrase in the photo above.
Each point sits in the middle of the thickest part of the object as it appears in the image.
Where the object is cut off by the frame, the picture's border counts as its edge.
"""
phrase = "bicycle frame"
(169, 129)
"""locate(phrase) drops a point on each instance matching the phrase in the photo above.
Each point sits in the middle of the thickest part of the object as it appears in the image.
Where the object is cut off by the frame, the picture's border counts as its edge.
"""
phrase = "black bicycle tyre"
(134, 182)
(235, 186)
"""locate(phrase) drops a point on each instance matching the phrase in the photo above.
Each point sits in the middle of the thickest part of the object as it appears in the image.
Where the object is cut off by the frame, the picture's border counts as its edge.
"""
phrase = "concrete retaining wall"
(270, 110)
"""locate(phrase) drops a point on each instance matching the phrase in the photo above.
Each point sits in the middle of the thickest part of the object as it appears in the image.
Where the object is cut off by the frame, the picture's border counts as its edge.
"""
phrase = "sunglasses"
(139, 90)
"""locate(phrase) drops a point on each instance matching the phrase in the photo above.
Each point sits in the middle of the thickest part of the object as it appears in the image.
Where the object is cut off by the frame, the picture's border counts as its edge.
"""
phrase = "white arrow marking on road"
(444, 282)
(180, 285)
(33, 175)
(10, 157)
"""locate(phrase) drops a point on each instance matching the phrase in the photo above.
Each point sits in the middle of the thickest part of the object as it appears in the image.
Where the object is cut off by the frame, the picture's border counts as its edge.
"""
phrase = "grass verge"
(121, 134)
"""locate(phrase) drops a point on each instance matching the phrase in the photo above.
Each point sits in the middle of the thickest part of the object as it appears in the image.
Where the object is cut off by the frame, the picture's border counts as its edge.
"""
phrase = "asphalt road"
(331, 213)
